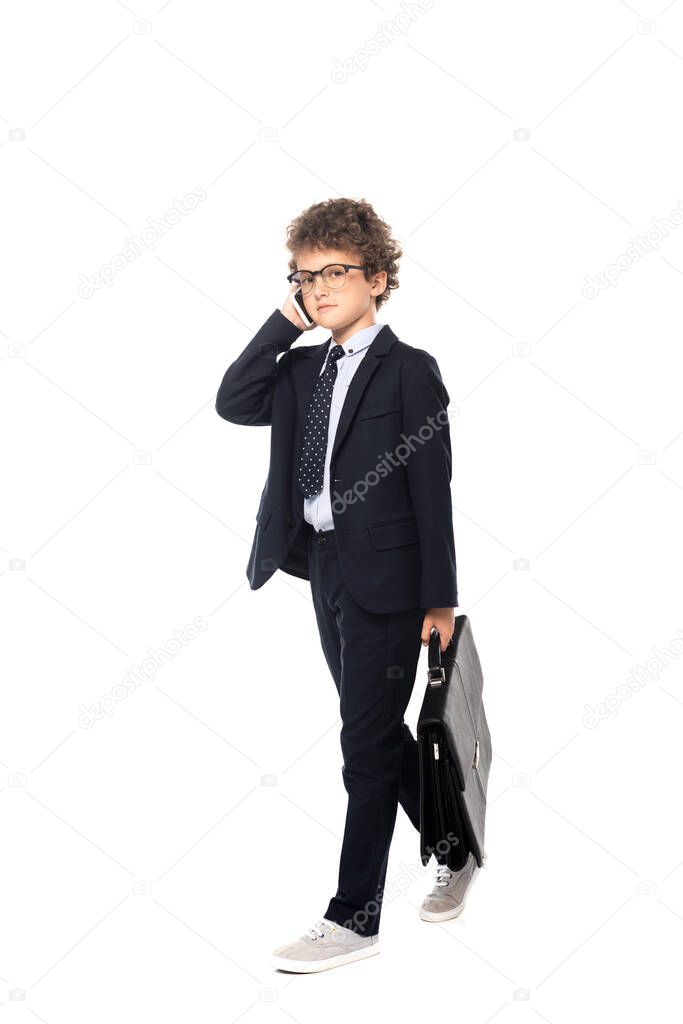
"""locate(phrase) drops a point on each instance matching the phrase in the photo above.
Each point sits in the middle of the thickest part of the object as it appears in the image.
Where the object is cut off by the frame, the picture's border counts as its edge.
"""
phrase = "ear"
(379, 283)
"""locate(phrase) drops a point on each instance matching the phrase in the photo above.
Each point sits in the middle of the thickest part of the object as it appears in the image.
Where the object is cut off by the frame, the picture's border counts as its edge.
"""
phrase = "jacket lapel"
(307, 371)
(368, 366)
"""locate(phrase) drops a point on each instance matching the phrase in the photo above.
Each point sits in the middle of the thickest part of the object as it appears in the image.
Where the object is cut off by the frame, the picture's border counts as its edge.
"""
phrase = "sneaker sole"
(448, 915)
(282, 963)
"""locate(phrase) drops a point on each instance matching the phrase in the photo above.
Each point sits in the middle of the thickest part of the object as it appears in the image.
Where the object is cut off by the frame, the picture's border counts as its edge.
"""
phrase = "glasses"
(333, 275)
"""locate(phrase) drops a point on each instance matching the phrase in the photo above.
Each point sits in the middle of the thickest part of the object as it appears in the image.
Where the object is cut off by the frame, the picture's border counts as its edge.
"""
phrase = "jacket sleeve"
(424, 400)
(246, 392)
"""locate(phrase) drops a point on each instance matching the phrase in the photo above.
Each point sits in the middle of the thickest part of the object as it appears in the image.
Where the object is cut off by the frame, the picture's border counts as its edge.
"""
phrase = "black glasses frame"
(346, 266)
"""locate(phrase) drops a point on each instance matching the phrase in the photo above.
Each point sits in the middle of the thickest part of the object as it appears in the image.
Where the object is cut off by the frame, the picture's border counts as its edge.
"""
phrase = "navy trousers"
(373, 660)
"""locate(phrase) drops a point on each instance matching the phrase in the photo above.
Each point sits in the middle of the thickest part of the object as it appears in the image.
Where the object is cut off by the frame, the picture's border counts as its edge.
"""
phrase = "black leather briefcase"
(454, 746)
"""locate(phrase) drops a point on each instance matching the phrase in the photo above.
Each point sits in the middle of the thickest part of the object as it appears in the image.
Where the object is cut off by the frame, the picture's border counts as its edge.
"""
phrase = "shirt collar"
(360, 340)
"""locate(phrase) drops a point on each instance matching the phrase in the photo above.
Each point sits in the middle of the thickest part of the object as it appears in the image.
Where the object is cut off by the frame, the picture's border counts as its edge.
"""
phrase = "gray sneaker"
(447, 898)
(327, 944)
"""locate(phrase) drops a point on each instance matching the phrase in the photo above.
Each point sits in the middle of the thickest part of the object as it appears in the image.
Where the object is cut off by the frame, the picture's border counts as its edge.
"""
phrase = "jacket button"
(291, 522)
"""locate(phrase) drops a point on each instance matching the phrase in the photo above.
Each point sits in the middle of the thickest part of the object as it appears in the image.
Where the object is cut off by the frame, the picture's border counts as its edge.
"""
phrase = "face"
(351, 305)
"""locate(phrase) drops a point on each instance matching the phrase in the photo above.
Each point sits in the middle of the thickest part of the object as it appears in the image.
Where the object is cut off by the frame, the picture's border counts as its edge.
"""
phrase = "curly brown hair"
(348, 224)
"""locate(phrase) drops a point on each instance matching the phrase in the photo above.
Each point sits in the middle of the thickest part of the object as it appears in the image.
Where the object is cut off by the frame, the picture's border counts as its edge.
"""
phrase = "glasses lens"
(303, 281)
(334, 276)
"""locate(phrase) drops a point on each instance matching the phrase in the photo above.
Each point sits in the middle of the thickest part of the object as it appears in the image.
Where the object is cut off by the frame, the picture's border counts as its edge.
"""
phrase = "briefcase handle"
(436, 674)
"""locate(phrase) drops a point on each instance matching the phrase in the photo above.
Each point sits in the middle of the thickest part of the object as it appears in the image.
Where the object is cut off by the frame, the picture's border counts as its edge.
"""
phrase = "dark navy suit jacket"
(390, 470)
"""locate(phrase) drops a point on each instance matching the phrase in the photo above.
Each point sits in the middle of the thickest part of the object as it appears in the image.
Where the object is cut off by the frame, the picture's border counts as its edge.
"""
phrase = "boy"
(357, 501)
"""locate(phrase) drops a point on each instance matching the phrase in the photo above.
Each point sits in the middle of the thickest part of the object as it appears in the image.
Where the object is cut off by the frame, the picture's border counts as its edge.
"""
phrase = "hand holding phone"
(295, 310)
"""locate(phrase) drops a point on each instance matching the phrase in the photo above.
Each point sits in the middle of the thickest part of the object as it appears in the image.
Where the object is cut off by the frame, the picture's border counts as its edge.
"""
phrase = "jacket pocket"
(379, 410)
(395, 534)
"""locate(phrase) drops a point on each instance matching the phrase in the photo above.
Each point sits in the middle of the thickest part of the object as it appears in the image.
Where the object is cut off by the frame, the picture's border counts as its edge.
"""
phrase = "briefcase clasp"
(440, 676)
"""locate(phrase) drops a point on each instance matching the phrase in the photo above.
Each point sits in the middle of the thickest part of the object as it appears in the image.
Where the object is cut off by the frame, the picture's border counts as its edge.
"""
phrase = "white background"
(151, 861)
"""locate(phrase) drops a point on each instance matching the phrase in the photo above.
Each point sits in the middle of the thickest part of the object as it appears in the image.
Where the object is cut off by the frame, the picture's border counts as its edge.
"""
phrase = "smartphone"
(298, 300)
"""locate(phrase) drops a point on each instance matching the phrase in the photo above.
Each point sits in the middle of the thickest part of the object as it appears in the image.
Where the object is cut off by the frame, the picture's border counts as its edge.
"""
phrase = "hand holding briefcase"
(454, 746)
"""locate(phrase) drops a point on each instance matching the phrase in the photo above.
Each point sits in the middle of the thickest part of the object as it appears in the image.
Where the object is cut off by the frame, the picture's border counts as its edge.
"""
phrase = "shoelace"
(317, 932)
(443, 874)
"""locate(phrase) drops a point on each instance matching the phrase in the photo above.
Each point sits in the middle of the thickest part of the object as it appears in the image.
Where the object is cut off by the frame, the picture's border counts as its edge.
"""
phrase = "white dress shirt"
(318, 510)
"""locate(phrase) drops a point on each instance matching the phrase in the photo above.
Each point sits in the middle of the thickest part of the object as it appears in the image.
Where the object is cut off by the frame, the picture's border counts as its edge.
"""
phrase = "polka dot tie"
(314, 447)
